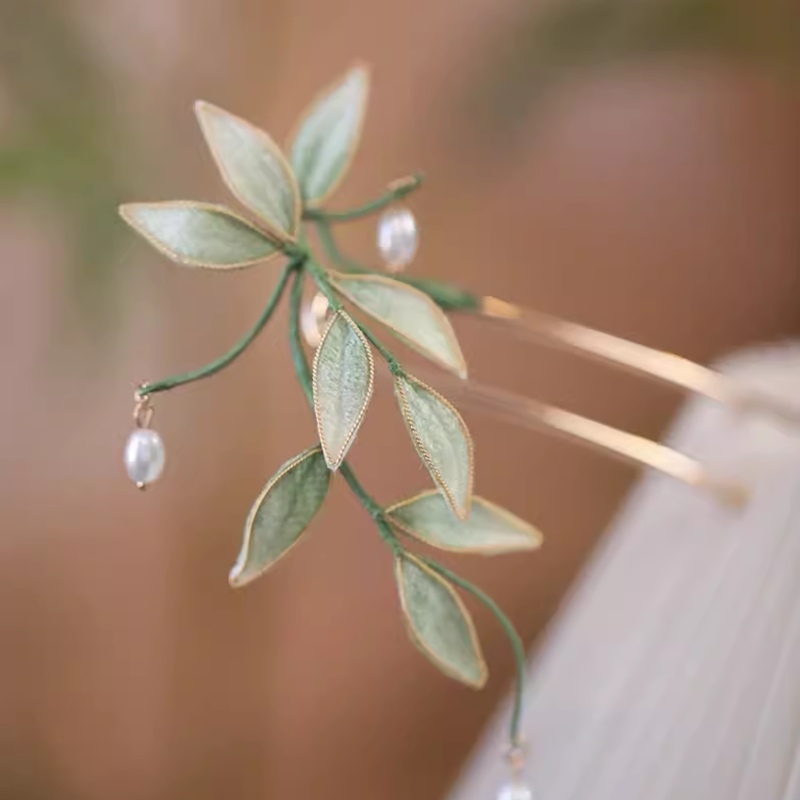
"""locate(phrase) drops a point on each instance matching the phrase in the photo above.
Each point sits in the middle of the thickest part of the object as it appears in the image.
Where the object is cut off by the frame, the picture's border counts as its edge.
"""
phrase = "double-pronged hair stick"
(284, 194)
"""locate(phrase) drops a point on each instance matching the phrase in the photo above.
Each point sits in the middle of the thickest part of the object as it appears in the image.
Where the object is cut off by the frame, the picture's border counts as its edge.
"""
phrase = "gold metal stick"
(620, 444)
(661, 366)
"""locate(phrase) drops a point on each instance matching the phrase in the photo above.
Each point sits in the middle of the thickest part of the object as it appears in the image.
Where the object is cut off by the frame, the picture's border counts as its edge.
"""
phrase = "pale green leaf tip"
(237, 577)
(201, 107)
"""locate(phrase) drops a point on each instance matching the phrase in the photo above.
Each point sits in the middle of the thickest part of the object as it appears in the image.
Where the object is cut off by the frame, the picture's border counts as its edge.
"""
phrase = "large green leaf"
(199, 234)
(281, 514)
(342, 381)
(488, 529)
(438, 623)
(441, 439)
(409, 313)
(253, 167)
(328, 134)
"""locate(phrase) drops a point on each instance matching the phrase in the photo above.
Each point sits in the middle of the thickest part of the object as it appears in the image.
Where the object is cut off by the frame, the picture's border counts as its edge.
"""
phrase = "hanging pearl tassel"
(516, 788)
(398, 238)
(144, 451)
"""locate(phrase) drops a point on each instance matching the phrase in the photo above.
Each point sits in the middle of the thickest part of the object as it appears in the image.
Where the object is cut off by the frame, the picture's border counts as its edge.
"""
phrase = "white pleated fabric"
(673, 672)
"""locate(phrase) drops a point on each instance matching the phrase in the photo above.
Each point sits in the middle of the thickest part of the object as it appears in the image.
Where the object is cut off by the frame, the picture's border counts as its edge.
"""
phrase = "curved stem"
(394, 364)
(400, 190)
(508, 627)
(325, 235)
(323, 284)
(295, 343)
(223, 361)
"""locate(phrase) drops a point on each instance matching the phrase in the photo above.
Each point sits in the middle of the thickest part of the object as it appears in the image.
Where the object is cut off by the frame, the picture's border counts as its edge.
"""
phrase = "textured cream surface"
(672, 672)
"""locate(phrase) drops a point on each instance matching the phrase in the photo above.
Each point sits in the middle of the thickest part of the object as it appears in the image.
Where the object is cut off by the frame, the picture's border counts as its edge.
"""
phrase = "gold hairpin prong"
(626, 446)
(655, 364)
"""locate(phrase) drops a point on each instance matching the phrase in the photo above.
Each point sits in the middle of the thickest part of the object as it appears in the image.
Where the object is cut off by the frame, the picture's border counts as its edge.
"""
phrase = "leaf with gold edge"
(438, 622)
(441, 439)
(199, 234)
(328, 134)
(408, 313)
(281, 514)
(253, 168)
(343, 376)
(488, 529)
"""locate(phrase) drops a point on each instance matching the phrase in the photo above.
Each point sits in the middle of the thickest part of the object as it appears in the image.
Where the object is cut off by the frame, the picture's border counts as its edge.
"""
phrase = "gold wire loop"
(515, 755)
(142, 410)
(401, 183)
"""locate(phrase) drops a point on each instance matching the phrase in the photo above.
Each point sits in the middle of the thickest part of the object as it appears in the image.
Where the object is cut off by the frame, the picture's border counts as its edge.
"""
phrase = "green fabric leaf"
(411, 315)
(328, 135)
(199, 234)
(438, 623)
(343, 375)
(253, 167)
(488, 529)
(441, 439)
(281, 514)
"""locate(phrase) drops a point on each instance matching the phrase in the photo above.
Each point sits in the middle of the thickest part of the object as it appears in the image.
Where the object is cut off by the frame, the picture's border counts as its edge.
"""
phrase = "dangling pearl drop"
(515, 790)
(144, 456)
(397, 238)
(144, 451)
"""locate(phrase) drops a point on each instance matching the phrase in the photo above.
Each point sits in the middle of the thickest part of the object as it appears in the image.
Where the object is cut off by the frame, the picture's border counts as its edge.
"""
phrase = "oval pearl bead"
(515, 791)
(144, 456)
(314, 319)
(397, 237)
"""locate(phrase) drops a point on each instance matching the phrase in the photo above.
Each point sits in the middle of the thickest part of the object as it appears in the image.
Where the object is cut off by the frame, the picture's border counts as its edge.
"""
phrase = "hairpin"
(285, 197)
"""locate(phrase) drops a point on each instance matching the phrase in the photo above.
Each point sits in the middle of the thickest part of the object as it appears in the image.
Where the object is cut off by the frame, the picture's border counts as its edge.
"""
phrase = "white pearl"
(144, 456)
(397, 237)
(514, 790)
(314, 319)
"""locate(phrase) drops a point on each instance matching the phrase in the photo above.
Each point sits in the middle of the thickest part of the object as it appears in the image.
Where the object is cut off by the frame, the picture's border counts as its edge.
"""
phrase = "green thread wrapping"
(232, 354)
(391, 196)
(446, 295)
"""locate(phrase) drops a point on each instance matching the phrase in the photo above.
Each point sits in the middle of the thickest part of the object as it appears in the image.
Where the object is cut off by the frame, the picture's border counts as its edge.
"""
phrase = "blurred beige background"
(656, 200)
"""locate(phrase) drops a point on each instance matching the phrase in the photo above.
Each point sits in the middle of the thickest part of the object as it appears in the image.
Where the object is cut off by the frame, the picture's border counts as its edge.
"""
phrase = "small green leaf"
(199, 234)
(328, 134)
(253, 167)
(409, 313)
(438, 623)
(441, 439)
(343, 375)
(280, 514)
(488, 529)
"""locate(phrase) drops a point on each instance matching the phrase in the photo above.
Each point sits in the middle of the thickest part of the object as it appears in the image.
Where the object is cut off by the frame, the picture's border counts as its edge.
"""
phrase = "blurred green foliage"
(558, 39)
(58, 142)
